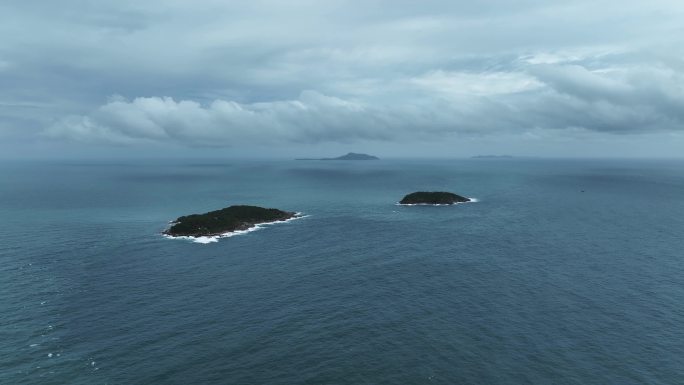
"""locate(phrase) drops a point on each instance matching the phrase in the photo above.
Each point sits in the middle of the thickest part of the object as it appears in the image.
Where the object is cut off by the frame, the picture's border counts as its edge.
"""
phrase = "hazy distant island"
(492, 156)
(229, 219)
(433, 198)
(349, 156)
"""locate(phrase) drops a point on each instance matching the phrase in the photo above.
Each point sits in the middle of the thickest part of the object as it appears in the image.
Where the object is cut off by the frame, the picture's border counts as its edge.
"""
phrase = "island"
(492, 156)
(349, 156)
(433, 198)
(227, 220)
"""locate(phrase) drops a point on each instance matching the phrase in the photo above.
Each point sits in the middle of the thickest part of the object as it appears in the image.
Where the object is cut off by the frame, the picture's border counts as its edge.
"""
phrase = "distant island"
(433, 198)
(492, 156)
(349, 156)
(229, 219)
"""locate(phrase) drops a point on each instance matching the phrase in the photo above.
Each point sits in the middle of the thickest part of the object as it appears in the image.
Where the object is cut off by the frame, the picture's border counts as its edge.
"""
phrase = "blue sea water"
(564, 272)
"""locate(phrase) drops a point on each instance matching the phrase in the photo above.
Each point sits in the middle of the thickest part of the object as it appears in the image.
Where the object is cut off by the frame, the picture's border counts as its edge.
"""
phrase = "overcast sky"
(309, 77)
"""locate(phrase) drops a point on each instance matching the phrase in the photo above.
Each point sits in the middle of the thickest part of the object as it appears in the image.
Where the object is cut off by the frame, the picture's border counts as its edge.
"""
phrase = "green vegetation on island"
(433, 198)
(233, 218)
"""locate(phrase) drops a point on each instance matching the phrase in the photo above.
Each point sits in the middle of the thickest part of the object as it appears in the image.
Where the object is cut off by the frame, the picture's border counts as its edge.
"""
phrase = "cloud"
(538, 96)
(216, 73)
(618, 100)
(311, 117)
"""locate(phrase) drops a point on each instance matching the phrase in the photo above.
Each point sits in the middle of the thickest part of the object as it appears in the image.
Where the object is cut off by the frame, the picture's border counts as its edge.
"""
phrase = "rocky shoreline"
(227, 220)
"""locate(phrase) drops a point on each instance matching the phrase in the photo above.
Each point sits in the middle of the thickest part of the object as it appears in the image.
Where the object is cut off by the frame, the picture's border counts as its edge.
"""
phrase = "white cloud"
(612, 100)
(478, 83)
(237, 72)
(311, 117)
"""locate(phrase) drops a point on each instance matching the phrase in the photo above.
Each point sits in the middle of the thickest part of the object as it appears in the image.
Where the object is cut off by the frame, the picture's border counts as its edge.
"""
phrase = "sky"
(451, 78)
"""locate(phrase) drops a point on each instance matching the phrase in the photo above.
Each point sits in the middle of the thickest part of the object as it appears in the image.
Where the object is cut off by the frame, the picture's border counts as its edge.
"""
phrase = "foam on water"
(472, 200)
(215, 238)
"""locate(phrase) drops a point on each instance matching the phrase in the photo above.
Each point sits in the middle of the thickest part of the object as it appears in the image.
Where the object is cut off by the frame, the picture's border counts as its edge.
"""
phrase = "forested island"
(433, 198)
(229, 219)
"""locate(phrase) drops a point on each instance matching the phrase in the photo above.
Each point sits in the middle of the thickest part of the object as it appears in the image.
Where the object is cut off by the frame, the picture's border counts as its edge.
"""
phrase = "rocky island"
(433, 198)
(349, 156)
(227, 220)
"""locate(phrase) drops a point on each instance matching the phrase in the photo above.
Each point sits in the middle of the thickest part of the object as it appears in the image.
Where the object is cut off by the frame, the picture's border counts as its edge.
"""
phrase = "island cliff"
(233, 218)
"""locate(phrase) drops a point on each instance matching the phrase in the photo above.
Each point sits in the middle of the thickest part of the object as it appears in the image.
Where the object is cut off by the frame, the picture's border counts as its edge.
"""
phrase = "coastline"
(215, 238)
(472, 200)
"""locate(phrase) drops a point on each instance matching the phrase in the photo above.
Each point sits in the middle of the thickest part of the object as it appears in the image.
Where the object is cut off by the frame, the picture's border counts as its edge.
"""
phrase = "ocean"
(563, 272)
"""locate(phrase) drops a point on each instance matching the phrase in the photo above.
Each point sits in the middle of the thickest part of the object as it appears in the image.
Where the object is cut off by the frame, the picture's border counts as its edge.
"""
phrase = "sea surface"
(563, 272)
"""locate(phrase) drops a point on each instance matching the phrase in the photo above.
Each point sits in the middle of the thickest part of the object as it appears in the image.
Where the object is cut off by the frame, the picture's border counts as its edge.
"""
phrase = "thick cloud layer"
(623, 101)
(215, 73)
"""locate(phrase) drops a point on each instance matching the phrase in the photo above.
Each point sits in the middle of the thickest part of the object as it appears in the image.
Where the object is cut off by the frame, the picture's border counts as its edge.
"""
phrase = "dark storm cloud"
(224, 73)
